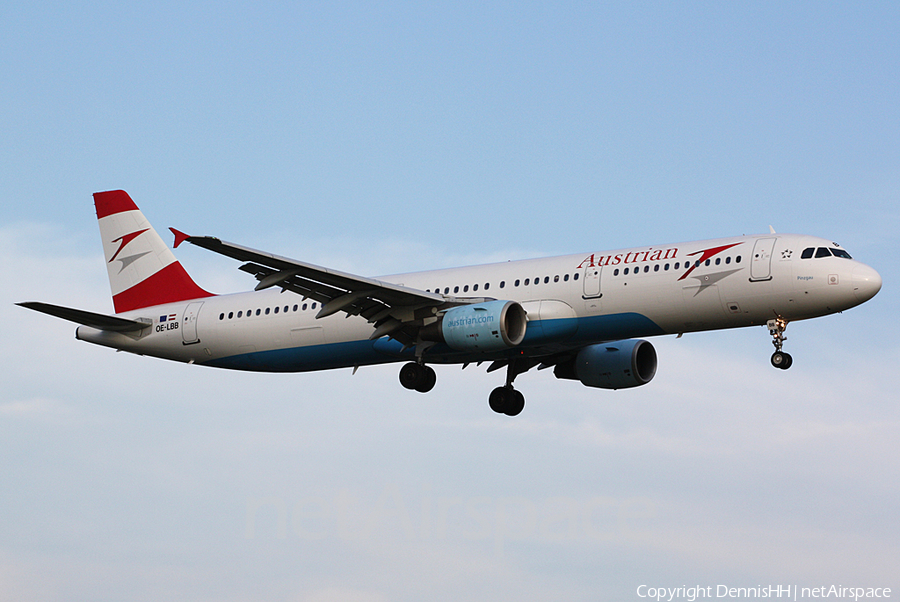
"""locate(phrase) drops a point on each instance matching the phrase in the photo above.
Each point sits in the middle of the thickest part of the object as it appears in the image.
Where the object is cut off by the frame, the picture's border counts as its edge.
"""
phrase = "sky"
(389, 137)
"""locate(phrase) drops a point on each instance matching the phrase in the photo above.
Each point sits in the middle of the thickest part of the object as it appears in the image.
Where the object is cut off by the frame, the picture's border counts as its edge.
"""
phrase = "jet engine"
(617, 365)
(488, 326)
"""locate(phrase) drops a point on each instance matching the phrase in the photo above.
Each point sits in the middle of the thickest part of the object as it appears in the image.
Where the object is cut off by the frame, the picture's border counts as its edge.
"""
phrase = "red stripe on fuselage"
(169, 285)
(706, 254)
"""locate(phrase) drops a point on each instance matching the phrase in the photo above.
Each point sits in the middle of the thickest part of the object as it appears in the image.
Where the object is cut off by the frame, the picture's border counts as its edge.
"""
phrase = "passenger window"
(230, 315)
(727, 260)
(677, 264)
(656, 268)
(707, 262)
(575, 277)
(718, 260)
(257, 312)
(646, 268)
(546, 279)
(267, 311)
(565, 277)
(556, 278)
(276, 309)
(474, 288)
(466, 288)
(807, 253)
(455, 289)
(822, 252)
(240, 314)
(625, 272)
(304, 307)
(221, 316)
(616, 272)
(737, 259)
(666, 268)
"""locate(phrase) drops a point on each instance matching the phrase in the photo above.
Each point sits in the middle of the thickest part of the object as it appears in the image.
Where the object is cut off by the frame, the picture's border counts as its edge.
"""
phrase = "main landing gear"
(506, 400)
(418, 377)
(503, 400)
(780, 359)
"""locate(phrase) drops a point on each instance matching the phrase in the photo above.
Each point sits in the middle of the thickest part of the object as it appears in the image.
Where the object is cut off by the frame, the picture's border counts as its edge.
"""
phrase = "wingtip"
(180, 236)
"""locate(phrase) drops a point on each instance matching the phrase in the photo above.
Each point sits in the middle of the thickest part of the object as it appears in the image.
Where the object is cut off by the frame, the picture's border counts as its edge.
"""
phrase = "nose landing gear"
(780, 359)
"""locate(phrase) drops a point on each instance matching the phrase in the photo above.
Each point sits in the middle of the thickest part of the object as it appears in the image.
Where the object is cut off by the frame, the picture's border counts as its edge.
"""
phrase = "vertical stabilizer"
(142, 270)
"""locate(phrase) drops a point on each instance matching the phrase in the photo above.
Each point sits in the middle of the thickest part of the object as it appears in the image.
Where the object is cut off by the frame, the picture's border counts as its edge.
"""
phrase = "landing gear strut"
(418, 377)
(780, 359)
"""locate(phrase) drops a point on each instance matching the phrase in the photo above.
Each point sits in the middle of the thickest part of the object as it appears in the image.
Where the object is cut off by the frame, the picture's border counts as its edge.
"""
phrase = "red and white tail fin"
(142, 270)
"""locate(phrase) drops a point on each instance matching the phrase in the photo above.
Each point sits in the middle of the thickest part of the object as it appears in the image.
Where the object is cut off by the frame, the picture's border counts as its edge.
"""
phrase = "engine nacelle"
(617, 365)
(488, 326)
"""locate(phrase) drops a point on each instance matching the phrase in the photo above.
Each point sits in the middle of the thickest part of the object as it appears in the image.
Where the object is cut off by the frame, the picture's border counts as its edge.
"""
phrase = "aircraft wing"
(87, 318)
(395, 310)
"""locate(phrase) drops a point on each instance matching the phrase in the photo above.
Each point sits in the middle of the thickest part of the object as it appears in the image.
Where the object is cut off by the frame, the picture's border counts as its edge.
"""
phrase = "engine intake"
(618, 365)
(488, 326)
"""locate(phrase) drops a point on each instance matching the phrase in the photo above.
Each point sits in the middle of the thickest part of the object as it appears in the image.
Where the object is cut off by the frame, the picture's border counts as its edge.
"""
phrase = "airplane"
(586, 316)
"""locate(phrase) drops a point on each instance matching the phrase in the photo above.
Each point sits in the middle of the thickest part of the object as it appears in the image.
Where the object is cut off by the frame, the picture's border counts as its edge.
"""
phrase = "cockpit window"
(808, 253)
(841, 253)
(822, 252)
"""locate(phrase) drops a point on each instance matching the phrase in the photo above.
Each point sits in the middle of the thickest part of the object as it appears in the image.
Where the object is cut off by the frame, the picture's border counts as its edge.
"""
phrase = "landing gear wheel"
(417, 377)
(516, 403)
(506, 400)
(428, 381)
(498, 399)
(782, 360)
(411, 374)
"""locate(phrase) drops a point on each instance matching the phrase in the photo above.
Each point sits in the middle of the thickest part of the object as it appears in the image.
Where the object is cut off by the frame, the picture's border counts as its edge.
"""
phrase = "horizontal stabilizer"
(99, 321)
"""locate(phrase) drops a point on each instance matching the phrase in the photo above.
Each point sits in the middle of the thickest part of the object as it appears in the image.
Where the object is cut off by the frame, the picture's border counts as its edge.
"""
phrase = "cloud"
(720, 466)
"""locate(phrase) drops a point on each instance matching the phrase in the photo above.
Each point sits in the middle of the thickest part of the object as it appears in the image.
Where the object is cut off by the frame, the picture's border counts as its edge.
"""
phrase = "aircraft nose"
(866, 282)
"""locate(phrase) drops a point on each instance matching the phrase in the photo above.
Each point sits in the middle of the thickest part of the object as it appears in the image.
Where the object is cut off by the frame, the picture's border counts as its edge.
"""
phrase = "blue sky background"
(380, 138)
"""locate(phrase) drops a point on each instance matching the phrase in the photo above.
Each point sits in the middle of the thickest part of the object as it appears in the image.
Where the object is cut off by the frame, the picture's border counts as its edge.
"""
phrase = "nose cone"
(866, 282)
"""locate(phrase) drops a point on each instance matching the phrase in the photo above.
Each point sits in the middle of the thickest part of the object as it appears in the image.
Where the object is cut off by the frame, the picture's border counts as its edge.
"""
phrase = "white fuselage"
(571, 301)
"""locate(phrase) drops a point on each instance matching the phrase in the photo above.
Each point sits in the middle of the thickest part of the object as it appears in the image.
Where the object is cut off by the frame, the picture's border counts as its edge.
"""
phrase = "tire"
(788, 361)
(516, 403)
(779, 359)
(499, 400)
(412, 375)
(429, 378)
